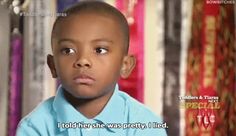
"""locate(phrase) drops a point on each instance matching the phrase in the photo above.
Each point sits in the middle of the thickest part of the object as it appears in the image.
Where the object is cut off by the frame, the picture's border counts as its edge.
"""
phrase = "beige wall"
(4, 66)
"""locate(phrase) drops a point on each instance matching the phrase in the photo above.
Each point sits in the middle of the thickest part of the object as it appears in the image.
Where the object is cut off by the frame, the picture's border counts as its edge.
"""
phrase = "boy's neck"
(90, 108)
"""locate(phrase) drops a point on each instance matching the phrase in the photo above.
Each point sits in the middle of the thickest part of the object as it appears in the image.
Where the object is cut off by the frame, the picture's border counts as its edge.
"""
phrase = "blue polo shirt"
(122, 116)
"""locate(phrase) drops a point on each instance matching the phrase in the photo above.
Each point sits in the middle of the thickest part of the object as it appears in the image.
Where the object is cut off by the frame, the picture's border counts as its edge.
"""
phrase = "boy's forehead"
(63, 23)
(76, 23)
(92, 27)
(86, 16)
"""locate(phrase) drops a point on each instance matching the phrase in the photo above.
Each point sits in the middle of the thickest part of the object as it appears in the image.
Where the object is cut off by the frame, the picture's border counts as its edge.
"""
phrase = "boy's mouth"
(84, 79)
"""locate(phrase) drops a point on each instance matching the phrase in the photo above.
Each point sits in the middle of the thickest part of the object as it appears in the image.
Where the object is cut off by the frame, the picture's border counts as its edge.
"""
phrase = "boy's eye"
(67, 51)
(101, 50)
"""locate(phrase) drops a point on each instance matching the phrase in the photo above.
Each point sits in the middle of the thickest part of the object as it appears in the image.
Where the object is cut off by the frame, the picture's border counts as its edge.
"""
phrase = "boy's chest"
(95, 132)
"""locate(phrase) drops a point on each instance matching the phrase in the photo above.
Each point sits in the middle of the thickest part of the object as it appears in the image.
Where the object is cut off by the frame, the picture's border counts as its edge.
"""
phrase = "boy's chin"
(86, 94)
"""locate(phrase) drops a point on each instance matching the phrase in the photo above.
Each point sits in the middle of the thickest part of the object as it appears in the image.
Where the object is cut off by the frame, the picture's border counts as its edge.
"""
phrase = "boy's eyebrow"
(102, 40)
(66, 40)
(73, 41)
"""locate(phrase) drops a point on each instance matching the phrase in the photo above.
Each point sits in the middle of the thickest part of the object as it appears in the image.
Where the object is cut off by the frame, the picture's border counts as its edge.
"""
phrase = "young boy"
(90, 53)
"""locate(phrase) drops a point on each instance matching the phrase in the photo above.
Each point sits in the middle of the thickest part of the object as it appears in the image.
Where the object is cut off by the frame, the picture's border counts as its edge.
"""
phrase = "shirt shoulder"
(137, 110)
(139, 113)
(37, 120)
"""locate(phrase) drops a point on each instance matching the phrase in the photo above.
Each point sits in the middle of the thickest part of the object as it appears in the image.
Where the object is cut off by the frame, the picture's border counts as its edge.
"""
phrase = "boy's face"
(89, 55)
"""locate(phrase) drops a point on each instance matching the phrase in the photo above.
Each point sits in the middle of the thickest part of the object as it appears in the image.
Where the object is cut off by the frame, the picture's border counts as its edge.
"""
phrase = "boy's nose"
(83, 62)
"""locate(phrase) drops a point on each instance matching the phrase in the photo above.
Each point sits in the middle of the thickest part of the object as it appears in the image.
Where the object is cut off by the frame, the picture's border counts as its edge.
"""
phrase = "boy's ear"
(129, 62)
(51, 65)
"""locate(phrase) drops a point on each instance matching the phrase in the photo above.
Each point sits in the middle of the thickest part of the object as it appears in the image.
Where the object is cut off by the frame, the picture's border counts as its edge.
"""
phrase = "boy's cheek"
(64, 61)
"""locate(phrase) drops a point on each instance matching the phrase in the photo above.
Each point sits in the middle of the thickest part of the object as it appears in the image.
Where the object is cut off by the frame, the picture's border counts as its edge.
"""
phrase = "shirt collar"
(113, 112)
(65, 112)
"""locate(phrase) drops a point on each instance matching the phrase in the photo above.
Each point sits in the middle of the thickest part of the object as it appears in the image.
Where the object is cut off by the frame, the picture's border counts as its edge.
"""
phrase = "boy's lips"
(84, 79)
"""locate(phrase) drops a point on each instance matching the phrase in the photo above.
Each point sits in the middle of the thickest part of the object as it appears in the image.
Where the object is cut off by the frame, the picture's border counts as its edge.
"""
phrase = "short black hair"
(97, 7)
